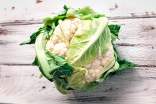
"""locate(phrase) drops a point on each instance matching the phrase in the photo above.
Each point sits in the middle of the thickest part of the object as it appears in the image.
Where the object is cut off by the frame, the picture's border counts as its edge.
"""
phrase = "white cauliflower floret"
(96, 68)
(60, 49)
(62, 35)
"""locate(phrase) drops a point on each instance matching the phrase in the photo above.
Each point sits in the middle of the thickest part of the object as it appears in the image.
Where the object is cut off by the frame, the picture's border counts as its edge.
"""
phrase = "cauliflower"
(75, 49)
(60, 40)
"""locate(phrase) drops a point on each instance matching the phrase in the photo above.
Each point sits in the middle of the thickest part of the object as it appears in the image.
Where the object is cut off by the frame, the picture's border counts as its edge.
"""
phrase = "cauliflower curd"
(75, 49)
(60, 41)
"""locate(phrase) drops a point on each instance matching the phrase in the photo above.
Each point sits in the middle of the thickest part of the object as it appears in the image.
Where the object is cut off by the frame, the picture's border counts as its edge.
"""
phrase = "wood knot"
(3, 31)
(114, 7)
(12, 7)
(133, 14)
(43, 87)
(38, 1)
(148, 28)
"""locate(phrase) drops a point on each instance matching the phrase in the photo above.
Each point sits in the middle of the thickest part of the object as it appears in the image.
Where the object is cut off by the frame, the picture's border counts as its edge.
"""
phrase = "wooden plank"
(32, 10)
(19, 55)
(21, 84)
(136, 42)
(133, 31)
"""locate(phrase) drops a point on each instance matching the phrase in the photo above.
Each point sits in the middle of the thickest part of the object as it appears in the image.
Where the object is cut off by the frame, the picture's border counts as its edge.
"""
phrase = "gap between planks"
(135, 40)
(39, 21)
(125, 87)
(18, 64)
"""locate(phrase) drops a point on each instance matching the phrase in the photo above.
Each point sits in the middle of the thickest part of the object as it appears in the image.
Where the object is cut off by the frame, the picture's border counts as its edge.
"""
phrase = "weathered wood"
(21, 84)
(24, 55)
(131, 31)
(31, 10)
(136, 42)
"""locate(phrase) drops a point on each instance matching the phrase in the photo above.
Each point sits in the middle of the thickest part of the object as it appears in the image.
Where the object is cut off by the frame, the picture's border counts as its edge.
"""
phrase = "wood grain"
(32, 10)
(23, 84)
(20, 82)
(136, 42)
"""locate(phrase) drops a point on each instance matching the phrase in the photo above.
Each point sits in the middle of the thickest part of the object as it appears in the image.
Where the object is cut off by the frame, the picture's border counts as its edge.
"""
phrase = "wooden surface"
(20, 82)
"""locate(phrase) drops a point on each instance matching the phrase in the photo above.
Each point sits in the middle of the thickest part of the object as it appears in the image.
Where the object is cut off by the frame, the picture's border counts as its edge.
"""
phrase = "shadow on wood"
(120, 87)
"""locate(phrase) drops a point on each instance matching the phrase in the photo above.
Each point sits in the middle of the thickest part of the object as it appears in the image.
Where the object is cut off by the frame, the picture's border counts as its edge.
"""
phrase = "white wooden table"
(20, 82)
